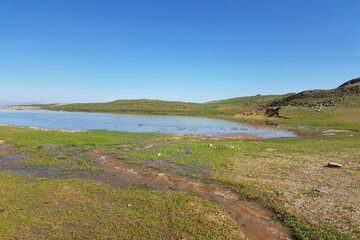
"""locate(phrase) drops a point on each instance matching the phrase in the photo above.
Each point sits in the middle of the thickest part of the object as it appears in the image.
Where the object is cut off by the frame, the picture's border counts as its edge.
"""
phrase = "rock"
(333, 165)
(321, 190)
(272, 112)
(210, 145)
(318, 107)
(270, 149)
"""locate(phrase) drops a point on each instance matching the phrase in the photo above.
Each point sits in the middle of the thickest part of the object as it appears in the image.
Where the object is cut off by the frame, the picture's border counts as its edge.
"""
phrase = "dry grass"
(301, 183)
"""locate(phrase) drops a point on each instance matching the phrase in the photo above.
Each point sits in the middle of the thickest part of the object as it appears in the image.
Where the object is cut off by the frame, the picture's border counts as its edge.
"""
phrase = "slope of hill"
(146, 106)
(347, 94)
(352, 83)
(222, 107)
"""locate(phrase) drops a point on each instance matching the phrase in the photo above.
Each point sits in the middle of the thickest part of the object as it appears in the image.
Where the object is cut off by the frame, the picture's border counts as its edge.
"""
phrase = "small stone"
(321, 190)
(334, 165)
(159, 154)
(270, 149)
(210, 145)
(129, 205)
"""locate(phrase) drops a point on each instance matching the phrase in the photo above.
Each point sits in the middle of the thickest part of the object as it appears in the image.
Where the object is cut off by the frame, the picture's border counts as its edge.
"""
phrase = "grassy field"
(341, 118)
(53, 185)
(286, 174)
(39, 208)
(51, 189)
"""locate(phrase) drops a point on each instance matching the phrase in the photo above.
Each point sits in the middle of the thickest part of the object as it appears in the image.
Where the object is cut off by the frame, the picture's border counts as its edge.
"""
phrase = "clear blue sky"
(192, 50)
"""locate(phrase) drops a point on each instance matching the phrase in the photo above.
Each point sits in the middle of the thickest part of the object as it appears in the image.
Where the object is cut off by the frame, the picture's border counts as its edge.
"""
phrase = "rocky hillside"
(354, 83)
(346, 94)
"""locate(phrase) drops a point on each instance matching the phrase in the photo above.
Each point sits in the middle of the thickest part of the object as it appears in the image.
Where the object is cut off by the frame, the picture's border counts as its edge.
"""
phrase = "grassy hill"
(136, 106)
(222, 107)
(340, 107)
(348, 94)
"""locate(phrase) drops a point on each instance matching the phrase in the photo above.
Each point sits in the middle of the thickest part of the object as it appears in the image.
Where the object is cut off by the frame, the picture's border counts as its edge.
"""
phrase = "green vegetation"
(226, 107)
(95, 138)
(340, 118)
(346, 118)
(139, 106)
(312, 98)
(39, 208)
(282, 173)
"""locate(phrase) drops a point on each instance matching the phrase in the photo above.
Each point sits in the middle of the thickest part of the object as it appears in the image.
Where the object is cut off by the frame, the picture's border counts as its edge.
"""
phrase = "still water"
(134, 123)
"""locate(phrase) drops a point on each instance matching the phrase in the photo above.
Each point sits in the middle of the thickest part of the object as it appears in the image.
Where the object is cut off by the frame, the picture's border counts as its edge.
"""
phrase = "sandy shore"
(19, 107)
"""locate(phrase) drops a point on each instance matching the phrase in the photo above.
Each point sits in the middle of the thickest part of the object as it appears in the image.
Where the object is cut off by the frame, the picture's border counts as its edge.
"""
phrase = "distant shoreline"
(19, 107)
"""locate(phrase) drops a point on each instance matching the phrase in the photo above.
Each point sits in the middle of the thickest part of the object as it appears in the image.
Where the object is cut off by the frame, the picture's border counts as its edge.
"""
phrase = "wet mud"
(254, 220)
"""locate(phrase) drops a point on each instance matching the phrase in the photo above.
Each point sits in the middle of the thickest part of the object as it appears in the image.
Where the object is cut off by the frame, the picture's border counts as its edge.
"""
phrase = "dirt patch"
(255, 221)
(9, 157)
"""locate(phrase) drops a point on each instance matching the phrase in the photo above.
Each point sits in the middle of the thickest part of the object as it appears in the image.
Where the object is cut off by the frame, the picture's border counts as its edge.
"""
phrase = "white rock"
(334, 165)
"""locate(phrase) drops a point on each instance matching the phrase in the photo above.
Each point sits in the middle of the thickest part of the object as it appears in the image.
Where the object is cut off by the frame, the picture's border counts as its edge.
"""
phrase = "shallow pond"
(135, 123)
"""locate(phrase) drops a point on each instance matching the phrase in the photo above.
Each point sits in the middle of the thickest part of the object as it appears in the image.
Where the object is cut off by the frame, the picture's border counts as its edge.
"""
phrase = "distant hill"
(347, 94)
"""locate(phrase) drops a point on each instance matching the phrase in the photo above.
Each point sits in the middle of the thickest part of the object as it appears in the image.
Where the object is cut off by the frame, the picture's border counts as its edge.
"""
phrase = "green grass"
(247, 103)
(219, 156)
(139, 106)
(196, 153)
(96, 138)
(226, 107)
(73, 159)
(34, 208)
(259, 169)
(269, 170)
(347, 118)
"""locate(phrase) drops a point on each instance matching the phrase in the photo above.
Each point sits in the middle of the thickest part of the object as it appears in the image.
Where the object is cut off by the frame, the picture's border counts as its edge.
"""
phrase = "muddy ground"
(254, 220)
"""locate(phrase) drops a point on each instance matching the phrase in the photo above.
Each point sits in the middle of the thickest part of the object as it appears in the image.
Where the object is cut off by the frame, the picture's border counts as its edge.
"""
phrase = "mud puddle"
(254, 220)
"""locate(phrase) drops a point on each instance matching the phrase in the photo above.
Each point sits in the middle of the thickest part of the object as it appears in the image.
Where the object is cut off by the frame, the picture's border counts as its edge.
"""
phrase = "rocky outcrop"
(272, 112)
(267, 112)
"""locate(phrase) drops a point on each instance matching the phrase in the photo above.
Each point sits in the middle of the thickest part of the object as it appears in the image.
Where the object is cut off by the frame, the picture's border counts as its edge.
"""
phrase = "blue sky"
(191, 50)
